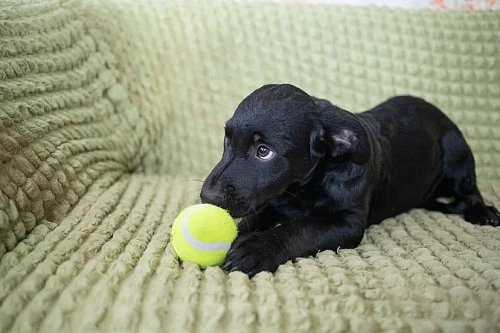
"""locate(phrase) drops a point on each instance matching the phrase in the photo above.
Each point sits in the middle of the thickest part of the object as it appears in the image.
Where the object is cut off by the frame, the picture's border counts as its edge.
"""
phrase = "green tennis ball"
(203, 234)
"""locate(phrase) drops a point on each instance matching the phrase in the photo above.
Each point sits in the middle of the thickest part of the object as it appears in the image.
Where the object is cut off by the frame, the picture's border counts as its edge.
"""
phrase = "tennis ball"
(203, 234)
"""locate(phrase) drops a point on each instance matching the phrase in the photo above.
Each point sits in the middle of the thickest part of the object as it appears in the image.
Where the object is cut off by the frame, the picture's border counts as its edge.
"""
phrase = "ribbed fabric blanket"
(111, 114)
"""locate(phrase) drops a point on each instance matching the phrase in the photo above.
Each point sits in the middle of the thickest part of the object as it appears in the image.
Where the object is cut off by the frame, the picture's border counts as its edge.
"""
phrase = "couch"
(112, 112)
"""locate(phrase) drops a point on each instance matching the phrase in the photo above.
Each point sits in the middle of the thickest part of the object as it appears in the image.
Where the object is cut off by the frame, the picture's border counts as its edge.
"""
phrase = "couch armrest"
(64, 119)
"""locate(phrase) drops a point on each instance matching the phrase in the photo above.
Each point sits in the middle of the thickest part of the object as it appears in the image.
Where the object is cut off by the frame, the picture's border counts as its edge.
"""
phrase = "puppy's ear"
(341, 136)
(317, 143)
(344, 142)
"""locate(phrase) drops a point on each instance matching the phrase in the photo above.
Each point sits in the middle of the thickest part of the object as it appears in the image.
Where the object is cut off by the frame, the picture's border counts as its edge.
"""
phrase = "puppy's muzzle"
(211, 196)
(225, 197)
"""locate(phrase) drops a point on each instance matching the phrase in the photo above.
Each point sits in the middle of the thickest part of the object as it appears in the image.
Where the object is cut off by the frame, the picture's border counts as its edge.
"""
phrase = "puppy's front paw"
(252, 253)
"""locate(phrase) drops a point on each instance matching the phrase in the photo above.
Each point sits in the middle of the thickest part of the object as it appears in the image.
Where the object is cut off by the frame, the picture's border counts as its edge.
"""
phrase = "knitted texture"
(64, 121)
(188, 64)
(109, 267)
(91, 92)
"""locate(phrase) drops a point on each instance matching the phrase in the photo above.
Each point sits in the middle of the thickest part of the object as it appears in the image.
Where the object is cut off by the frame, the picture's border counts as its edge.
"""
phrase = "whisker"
(254, 210)
(192, 191)
(253, 207)
(293, 194)
(193, 202)
(186, 195)
(186, 180)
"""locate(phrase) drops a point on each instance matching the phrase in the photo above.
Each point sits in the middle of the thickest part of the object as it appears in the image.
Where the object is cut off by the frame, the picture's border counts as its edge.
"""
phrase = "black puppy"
(307, 176)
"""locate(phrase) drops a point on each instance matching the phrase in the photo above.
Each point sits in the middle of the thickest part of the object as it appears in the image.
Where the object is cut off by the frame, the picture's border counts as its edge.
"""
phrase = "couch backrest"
(187, 65)
(65, 122)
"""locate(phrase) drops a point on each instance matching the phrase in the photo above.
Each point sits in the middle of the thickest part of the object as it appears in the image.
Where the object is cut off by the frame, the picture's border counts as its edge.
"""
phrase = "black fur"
(333, 173)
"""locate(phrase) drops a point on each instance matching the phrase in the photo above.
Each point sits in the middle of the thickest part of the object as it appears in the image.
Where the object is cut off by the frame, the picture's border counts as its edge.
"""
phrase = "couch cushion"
(109, 266)
(64, 119)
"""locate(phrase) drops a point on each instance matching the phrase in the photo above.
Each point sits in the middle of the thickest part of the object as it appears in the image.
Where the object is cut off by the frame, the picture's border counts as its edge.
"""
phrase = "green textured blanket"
(111, 113)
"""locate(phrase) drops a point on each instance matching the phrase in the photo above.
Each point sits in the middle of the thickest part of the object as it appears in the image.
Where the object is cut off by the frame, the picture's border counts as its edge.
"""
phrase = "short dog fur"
(306, 176)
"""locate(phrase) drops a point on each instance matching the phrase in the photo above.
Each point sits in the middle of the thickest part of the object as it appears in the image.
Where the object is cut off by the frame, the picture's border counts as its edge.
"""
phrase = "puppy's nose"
(210, 196)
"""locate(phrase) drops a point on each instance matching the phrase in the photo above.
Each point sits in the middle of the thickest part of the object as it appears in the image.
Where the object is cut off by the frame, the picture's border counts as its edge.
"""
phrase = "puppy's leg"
(456, 207)
(472, 207)
(259, 222)
(459, 181)
(258, 251)
(265, 219)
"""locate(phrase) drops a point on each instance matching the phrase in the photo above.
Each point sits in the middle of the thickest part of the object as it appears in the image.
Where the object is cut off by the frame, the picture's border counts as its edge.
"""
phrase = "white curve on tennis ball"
(197, 244)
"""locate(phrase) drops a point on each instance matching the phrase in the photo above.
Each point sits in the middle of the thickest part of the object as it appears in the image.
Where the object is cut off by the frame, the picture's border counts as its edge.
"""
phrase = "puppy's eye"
(264, 152)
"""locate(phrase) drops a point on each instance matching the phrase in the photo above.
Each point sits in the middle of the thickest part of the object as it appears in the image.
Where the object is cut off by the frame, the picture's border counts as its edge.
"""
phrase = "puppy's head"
(275, 138)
